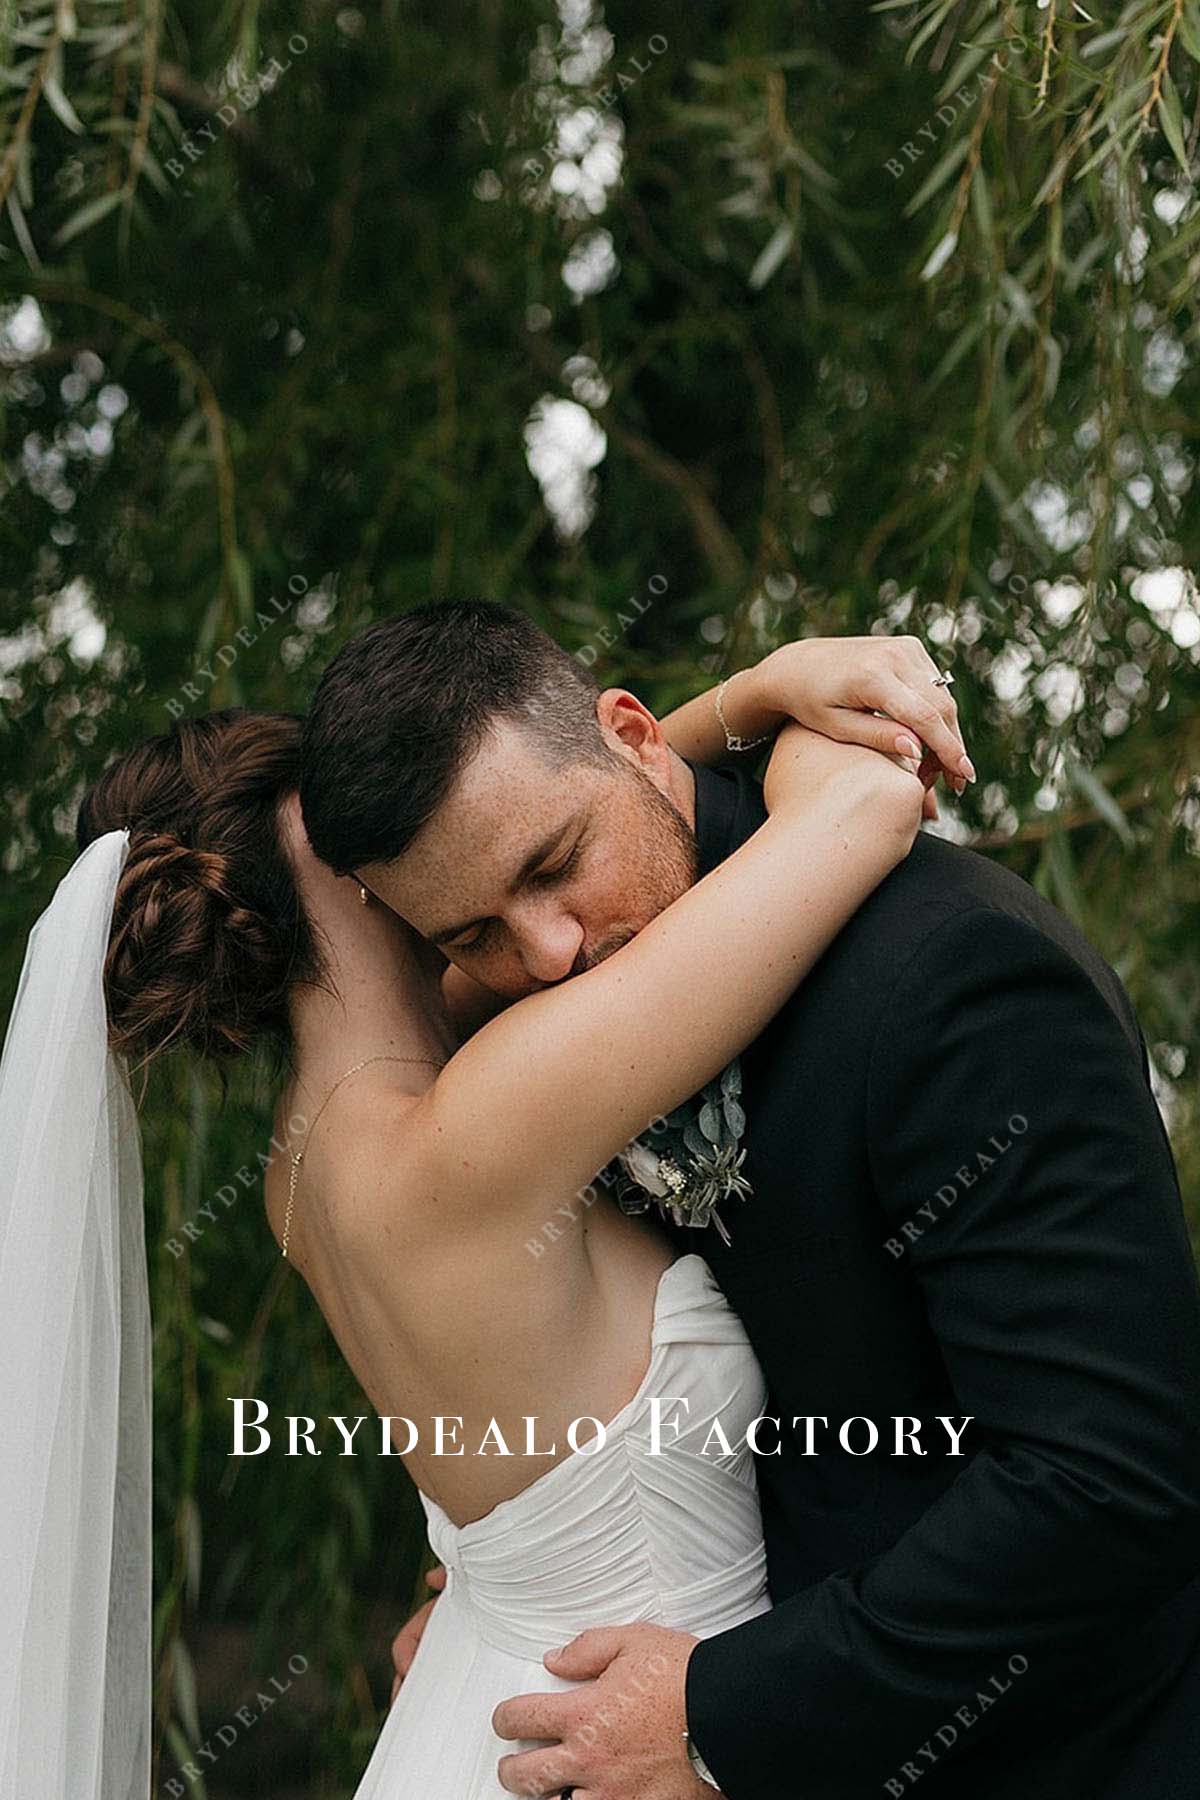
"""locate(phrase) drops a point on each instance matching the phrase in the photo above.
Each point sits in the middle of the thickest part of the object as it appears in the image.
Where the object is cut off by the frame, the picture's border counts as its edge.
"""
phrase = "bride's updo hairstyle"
(208, 932)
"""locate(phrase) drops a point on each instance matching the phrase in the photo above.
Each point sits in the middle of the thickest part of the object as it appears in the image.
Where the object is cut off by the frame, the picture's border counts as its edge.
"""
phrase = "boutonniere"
(689, 1163)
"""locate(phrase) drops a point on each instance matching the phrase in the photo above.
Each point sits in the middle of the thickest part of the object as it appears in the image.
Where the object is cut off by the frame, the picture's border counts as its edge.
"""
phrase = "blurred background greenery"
(689, 329)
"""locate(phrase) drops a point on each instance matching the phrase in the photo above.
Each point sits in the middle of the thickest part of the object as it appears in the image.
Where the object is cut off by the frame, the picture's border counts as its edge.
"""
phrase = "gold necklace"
(297, 1156)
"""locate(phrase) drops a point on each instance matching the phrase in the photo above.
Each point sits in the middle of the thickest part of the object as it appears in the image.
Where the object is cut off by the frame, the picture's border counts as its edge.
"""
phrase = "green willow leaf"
(1189, 29)
(772, 254)
(939, 256)
(88, 215)
(1171, 120)
(1090, 785)
(939, 175)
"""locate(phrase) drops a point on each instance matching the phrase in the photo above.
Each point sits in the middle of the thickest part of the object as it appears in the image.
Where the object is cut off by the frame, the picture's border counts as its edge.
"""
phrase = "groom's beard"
(663, 865)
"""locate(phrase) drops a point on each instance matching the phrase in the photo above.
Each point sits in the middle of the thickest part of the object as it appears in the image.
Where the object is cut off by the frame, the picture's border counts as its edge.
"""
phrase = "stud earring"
(363, 894)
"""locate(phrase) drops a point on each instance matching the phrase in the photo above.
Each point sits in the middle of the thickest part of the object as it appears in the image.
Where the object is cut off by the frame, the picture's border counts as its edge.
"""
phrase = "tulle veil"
(75, 1562)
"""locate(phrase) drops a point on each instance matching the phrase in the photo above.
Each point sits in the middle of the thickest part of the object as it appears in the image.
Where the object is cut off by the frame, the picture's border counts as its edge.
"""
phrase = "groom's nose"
(547, 944)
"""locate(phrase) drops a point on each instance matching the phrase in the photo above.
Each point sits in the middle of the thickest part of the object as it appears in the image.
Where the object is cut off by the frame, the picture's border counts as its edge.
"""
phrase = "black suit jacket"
(964, 1204)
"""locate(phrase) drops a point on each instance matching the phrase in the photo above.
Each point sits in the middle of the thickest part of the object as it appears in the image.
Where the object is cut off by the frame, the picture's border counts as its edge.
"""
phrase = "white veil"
(75, 1572)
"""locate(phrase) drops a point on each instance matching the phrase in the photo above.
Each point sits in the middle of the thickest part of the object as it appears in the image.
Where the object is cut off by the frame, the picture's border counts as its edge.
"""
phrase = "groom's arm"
(1063, 1297)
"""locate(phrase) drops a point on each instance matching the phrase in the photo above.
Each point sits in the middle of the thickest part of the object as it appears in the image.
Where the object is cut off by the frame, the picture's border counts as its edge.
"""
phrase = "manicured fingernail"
(967, 767)
(908, 746)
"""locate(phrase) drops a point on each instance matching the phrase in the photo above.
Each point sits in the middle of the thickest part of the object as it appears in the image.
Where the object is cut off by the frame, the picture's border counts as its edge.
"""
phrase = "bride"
(429, 1161)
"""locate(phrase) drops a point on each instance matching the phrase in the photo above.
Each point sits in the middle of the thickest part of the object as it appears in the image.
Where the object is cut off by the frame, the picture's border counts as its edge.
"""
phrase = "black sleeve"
(1063, 1295)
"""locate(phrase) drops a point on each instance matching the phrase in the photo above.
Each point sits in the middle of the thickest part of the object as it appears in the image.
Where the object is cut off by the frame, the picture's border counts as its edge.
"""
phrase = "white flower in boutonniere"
(691, 1163)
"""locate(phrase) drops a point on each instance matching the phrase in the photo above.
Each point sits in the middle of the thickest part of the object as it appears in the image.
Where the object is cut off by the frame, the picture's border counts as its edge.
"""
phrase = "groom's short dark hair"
(404, 705)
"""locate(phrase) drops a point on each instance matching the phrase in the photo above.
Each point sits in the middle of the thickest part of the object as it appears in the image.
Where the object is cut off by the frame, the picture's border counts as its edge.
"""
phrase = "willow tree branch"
(1160, 69)
(206, 395)
(141, 135)
(8, 167)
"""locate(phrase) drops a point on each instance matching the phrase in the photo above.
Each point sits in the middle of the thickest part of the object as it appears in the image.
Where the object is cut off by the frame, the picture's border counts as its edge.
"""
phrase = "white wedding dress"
(617, 1537)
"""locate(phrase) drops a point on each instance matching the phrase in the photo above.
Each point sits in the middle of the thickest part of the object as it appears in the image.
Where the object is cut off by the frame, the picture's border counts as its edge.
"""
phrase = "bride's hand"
(407, 1640)
(807, 768)
(840, 686)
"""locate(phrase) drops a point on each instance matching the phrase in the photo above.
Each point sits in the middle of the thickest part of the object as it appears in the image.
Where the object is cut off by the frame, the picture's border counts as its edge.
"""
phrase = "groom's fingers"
(548, 1716)
(587, 1655)
(539, 1772)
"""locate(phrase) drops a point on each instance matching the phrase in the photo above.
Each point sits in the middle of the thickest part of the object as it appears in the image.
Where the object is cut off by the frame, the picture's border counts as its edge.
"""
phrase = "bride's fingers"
(407, 1640)
(917, 667)
(883, 734)
(921, 673)
(924, 718)
(873, 730)
(929, 768)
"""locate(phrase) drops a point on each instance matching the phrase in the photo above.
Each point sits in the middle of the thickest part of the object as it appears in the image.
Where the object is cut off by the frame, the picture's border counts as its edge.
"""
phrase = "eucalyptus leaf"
(710, 1122)
(695, 1139)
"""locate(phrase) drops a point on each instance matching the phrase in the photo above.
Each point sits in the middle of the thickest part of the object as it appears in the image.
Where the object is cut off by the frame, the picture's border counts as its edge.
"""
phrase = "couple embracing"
(630, 1085)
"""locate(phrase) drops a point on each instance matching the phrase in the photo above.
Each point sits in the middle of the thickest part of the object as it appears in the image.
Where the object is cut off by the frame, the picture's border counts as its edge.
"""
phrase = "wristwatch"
(698, 1763)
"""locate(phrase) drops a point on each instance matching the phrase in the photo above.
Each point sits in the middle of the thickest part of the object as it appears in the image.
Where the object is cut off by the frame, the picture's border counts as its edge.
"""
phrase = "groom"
(963, 1203)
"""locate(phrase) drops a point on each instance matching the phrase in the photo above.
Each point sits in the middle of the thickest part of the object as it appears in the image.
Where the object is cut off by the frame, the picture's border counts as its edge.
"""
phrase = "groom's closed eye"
(472, 942)
(561, 868)
(472, 935)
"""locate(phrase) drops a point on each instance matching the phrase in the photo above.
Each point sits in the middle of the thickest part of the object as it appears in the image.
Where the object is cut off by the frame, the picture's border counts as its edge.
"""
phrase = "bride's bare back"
(440, 1316)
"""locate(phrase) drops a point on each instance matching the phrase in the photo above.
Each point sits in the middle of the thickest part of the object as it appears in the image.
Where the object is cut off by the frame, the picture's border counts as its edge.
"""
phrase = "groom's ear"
(632, 731)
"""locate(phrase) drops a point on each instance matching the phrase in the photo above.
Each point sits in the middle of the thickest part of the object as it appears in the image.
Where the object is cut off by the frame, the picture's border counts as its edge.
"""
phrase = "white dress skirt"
(617, 1536)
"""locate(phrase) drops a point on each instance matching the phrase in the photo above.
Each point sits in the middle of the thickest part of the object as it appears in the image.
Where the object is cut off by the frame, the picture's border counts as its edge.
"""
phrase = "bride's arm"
(837, 686)
(468, 1002)
(545, 1094)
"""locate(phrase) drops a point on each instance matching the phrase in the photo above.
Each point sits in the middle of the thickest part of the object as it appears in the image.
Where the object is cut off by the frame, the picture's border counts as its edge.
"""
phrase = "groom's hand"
(618, 1738)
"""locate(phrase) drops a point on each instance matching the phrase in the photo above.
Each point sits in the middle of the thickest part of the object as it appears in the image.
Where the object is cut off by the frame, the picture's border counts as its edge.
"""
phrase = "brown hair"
(404, 705)
(208, 932)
